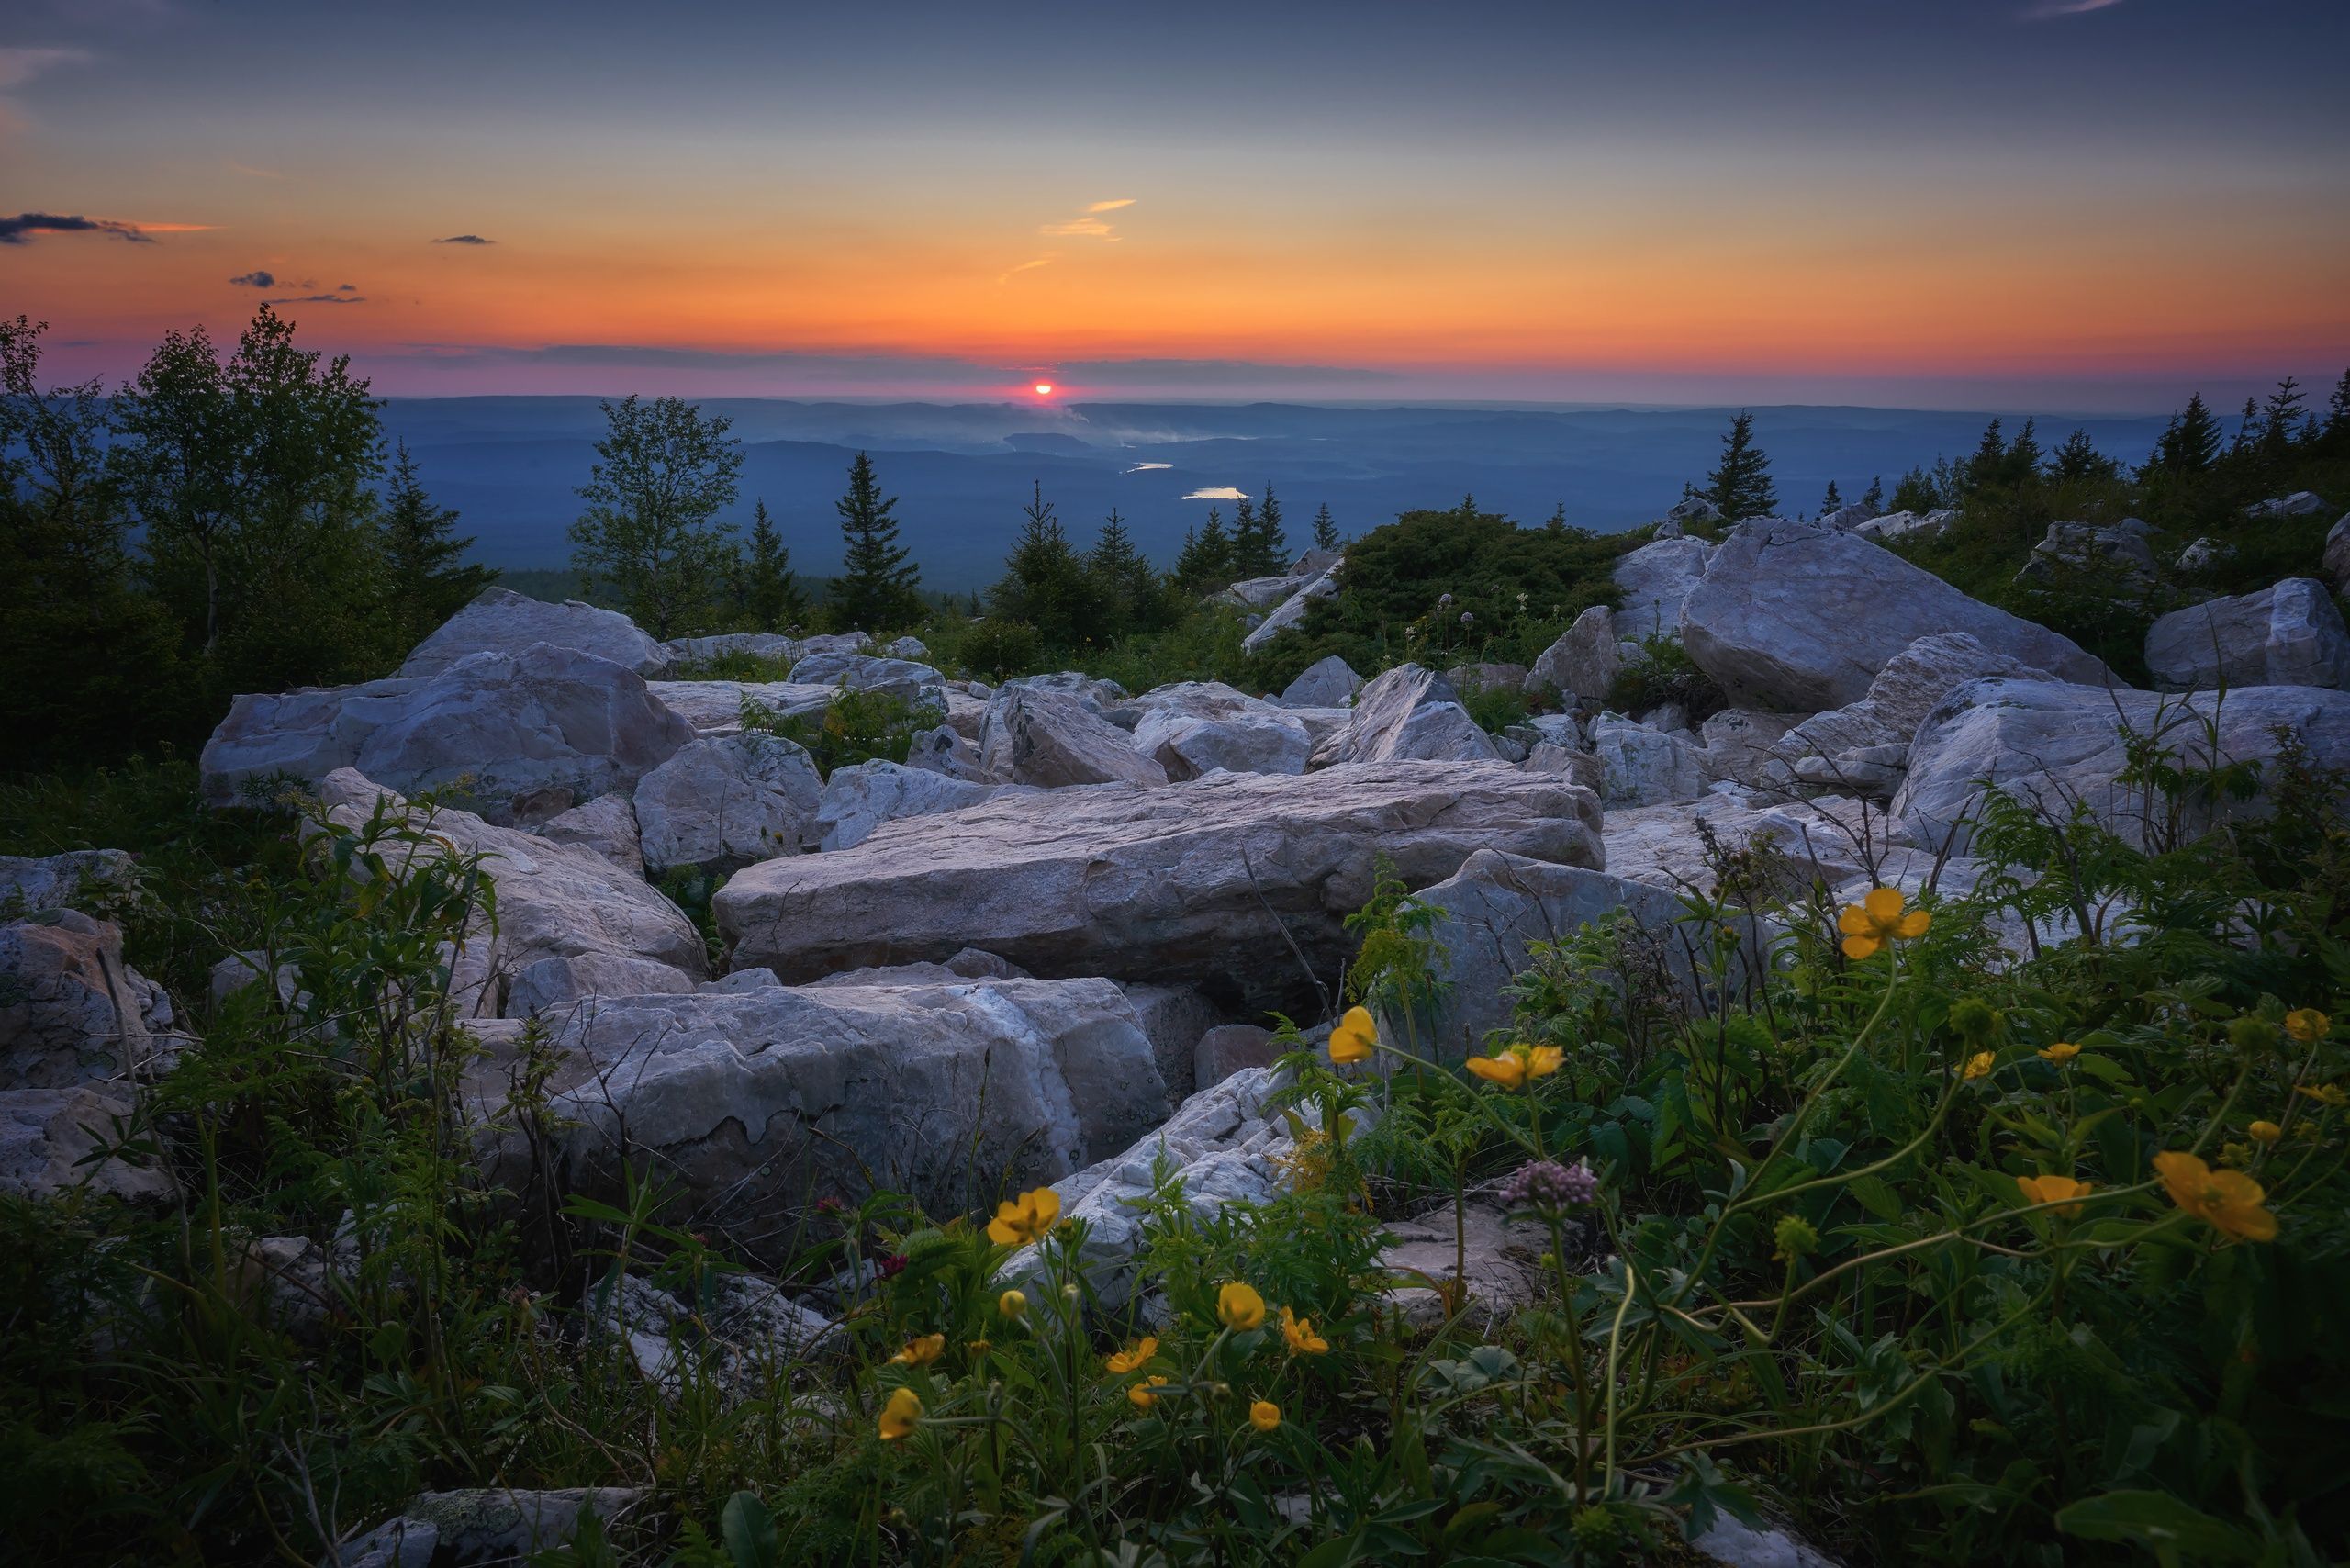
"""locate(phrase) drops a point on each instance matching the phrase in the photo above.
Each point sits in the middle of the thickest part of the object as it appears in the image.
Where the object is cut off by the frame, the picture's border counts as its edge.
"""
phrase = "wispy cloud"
(1090, 224)
(345, 294)
(1011, 273)
(2049, 10)
(254, 279)
(20, 228)
(1110, 205)
(465, 239)
(20, 64)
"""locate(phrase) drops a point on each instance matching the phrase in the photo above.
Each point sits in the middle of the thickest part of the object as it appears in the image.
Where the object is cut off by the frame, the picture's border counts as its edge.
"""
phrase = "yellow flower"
(2052, 1189)
(1239, 1306)
(900, 1415)
(1025, 1218)
(1354, 1037)
(1012, 1303)
(1142, 1394)
(978, 1347)
(2307, 1024)
(921, 1353)
(1301, 1338)
(1877, 920)
(2324, 1093)
(1519, 1065)
(2230, 1199)
(1124, 1362)
(1264, 1415)
(2264, 1132)
(2060, 1053)
(1979, 1065)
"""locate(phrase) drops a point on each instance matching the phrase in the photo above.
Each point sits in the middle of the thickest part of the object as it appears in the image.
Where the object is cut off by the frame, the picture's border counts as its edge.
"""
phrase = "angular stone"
(769, 647)
(1199, 726)
(1086, 690)
(607, 826)
(1656, 581)
(2290, 634)
(1259, 593)
(1577, 768)
(500, 620)
(726, 801)
(1504, 1266)
(87, 879)
(1785, 845)
(2117, 556)
(1583, 662)
(1406, 714)
(1738, 743)
(1228, 1049)
(1292, 610)
(72, 1013)
(1034, 735)
(1327, 682)
(1910, 686)
(860, 799)
(1173, 1017)
(900, 678)
(715, 707)
(1907, 525)
(944, 750)
(558, 982)
(45, 1144)
(1693, 509)
(2335, 561)
(2301, 503)
(1642, 767)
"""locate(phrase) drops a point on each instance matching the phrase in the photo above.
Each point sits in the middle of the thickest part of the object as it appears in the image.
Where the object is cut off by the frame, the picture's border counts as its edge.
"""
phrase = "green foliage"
(1664, 673)
(879, 583)
(1048, 585)
(1206, 562)
(853, 727)
(767, 596)
(1326, 530)
(650, 531)
(424, 555)
(995, 649)
(1739, 486)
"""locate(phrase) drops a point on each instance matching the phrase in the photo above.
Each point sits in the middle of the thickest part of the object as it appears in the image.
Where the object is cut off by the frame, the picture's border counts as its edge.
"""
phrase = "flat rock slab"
(1205, 882)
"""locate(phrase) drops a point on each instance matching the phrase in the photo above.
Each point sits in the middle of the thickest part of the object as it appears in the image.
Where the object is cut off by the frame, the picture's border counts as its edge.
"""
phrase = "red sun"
(1043, 389)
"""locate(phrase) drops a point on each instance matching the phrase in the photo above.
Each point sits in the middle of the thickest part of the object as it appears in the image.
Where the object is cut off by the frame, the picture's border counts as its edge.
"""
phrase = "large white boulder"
(83, 879)
(901, 679)
(2290, 634)
(860, 799)
(1292, 610)
(726, 801)
(1907, 524)
(605, 824)
(1035, 736)
(2117, 557)
(1198, 726)
(1327, 682)
(2301, 503)
(716, 706)
(2335, 561)
(1208, 882)
(72, 1013)
(769, 647)
(1863, 745)
(1406, 714)
(1796, 617)
(1656, 581)
(1584, 661)
(1783, 845)
(500, 620)
(1643, 767)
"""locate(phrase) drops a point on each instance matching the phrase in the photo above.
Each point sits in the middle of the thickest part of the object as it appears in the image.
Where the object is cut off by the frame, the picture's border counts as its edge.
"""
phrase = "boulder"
(1693, 509)
(2062, 746)
(1738, 743)
(906, 648)
(1910, 686)
(769, 647)
(48, 1138)
(1314, 563)
(1486, 677)
(1577, 768)
(1206, 883)
(1584, 661)
(2205, 554)
(737, 1331)
(1259, 593)
(900, 678)
(1173, 1017)
(1408, 713)
(492, 1528)
(1783, 846)
(1847, 517)
(500, 620)
(1292, 610)
(836, 643)
(1035, 736)
(1228, 1049)
(607, 826)
(969, 964)
(1908, 524)
(72, 1013)
(858, 799)
(1199, 726)
(1795, 618)
(1655, 581)
(944, 750)
(2301, 503)
(715, 707)
(1871, 772)
(2290, 634)
(558, 982)
(726, 801)
(1644, 767)
(522, 736)
(80, 879)
(1087, 690)
(2335, 562)
(2116, 557)
(1327, 682)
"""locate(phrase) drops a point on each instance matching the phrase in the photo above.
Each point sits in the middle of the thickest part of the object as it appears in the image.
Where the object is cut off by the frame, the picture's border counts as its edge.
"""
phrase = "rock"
(1907, 524)
(971, 963)
(80, 879)
(1693, 509)
(1795, 618)
(2117, 557)
(1314, 563)
(1583, 662)
(559, 982)
(1669, 718)
(1259, 593)
(741, 1333)
(2290, 634)
(1671, 528)
(1035, 736)
(1205, 882)
(1503, 1273)
(2335, 562)
(1408, 713)
(2061, 746)
(769, 647)
(1728, 1541)
(2301, 503)
(524, 736)
(1228, 1049)
(1327, 683)
(1784, 846)
(1486, 677)
(906, 648)
(1173, 1018)
(1579, 768)
(1738, 743)
(836, 643)
(1871, 772)
(1656, 581)
(944, 750)
(72, 1013)
(752, 1102)
(46, 1144)
(553, 900)
(1088, 692)
(500, 620)
(726, 801)
(1292, 610)
(2204, 554)
(858, 799)
(493, 1527)
(715, 707)
(1642, 767)
(1199, 726)
(900, 678)
(1910, 686)
(1847, 517)
(605, 825)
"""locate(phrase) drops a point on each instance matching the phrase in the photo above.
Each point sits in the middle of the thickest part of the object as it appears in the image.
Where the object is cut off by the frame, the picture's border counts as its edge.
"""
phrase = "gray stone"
(1656, 581)
(1408, 713)
(1739, 1545)
(944, 750)
(72, 1013)
(1086, 690)
(1577, 768)
(1035, 736)
(971, 963)
(716, 706)
(1785, 845)
(2335, 561)
(1493, 1262)
(1314, 563)
(2116, 557)
(46, 1144)
(906, 648)
(2301, 503)
(2290, 634)
(1642, 767)
(1871, 772)
(1228, 1049)
(724, 801)
(858, 799)
(1847, 517)
(1173, 1017)
(1583, 662)
(500, 620)
(1738, 743)
(558, 982)
(605, 825)
(87, 879)
(1693, 509)
(900, 678)
(2204, 554)
(1907, 525)
(1327, 682)
(1910, 686)
(492, 1528)
(1292, 610)
(768, 646)
(1199, 726)
(742, 1334)
(1260, 593)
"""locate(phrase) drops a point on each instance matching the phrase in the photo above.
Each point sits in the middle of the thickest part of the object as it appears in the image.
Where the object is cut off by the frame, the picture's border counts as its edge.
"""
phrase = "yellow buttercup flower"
(1519, 1065)
(921, 1353)
(2230, 1199)
(1127, 1360)
(2307, 1024)
(1144, 1394)
(1354, 1037)
(1012, 1303)
(2060, 1053)
(2264, 1132)
(1979, 1065)
(1028, 1218)
(978, 1347)
(900, 1415)
(1240, 1306)
(1298, 1332)
(2051, 1190)
(2324, 1093)
(1877, 920)
(1264, 1415)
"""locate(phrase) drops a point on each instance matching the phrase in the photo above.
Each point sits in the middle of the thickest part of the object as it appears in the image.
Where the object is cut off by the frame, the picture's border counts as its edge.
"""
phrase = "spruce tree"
(1124, 581)
(1831, 500)
(2023, 454)
(766, 591)
(2190, 443)
(2245, 423)
(1326, 531)
(2278, 418)
(1271, 547)
(1874, 498)
(877, 586)
(2337, 407)
(423, 556)
(1916, 493)
(1740, 487)
(1045, 585)
(1205, 564)
(1557, 522)
(2078, 459)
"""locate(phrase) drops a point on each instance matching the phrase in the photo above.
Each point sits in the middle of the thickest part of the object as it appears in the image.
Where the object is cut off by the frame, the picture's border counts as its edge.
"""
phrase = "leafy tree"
(2078, 459)
(1874, 497)
(1740, 487)
(877, 581)
(664, 473)
(423, 556)
(1326, 531)
(1205, 563)
(1831, 500)
(767, 593)
(1045, 585)
(1916, 492)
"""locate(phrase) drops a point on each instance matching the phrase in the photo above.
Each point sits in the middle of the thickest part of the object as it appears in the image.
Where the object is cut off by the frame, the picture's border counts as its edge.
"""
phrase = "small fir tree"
(1874, 498)
(766, 591)
(877, 581)
(1831, 500)
(424, 557)
(1326, 531)
(1740, 487)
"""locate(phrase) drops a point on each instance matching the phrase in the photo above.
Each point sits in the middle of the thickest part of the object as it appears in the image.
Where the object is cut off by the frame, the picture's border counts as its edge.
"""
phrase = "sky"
(2088, 204)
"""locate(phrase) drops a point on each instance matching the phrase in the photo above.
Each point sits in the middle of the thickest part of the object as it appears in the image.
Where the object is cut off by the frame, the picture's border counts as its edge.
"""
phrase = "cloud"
(254, 279)
(342, 295)
(1026, 266)
(20, 64)
(2049, 10)
(1110, 205)
(465, 239)
(1092, 228)
(19, 230)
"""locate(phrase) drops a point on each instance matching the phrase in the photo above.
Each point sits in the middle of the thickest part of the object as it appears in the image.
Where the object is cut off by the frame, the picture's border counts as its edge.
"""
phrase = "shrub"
(853, 727)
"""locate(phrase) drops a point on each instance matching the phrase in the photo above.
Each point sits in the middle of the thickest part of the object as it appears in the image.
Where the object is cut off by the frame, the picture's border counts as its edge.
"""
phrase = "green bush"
(853, 727)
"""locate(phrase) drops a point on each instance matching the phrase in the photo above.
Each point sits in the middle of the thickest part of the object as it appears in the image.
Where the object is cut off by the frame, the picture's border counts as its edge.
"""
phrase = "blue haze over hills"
(963, 471)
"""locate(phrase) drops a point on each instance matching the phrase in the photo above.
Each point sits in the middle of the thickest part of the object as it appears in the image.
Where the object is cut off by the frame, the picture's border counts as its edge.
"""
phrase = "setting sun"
(1043, 389)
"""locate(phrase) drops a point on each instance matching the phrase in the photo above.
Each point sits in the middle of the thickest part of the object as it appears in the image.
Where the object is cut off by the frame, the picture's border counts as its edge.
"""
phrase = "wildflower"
(1300, 1335)
(1877, 920)
(1239, 1306)
(1264, 1415)
(2233, 1153)
(1979, 1065)
(830, 1206)
(1547, 1184)
(1517, 1066)
(1443, 598)
(2060, 1053)
(978, 1347)
(900, 1415)
(2307, 1024)
(921, 1353)
(1974, 1019)
(1354, 1037)
(2264, 1132)
(1142, 1394)
(890, 1265)
(2052, 1189)
(1796, 1237)
(1025, 1218)
(2324, 1093)
(1466, 618)
(1012, 1303)
(2230, 1199)
(1127, 1360)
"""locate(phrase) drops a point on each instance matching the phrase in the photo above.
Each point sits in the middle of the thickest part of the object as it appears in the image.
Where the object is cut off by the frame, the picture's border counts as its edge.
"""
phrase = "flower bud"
(1797, 1239)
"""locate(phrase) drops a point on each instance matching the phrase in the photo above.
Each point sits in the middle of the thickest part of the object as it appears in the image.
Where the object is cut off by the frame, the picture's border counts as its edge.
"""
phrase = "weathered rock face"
(901, 679)
(1738, 743)
(1847, 517)
(607, 826)
(1408, 713)
(1862, 747)
(1695, 508)
(1657, 580)
(2335, 563)
(557, 982)
(1642, 767)
(1796, 617)
(946, 750)
(715, 707)
(1228, 1049)
(1787, 844)
(80, 877)
(1577, 768)
(858, 799)
(727, 801)
(500, 620)
(771, 647)
(755, 1099)
(1907, 524)
(1086, 690)
(1257, 593)
(478, 1529)
(1205, 882)
(1326, 683)
(1174, 1018)
(2073, 548)
(44, 1146)
(1584, 661)
(71, 1013)
(1033, 735)
(554, 901)
(742, 1334)
(1199, 726)
(2059, 744)
(1292, 610)
(2290, 634)
(2301, 503)
(527, 734)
